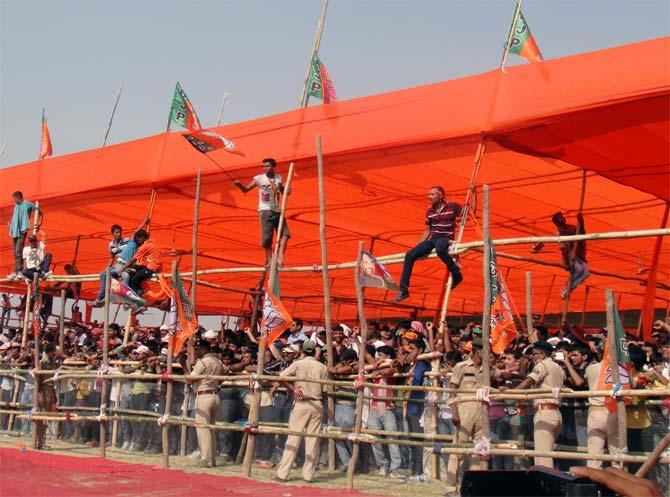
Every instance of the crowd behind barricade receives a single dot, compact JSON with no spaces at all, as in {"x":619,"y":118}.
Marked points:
{"x":393,"y":355}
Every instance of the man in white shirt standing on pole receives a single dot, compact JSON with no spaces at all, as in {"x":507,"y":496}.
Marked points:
{"x":270,"y":186}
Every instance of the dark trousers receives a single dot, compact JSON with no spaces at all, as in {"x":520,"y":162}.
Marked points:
{"x":141,"y":273}
{"x":17,"y":245}
{"x":42,"y":268}
{"x":441,"y":246}
{"x":415,"y":453}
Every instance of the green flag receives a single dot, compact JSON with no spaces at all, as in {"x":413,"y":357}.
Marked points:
{"x":319,"y":84}
{"x":620,"y":334}
{"x":522,"y":41}
{"x":182,"y":112}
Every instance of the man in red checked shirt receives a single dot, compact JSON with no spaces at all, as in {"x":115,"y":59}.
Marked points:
{"x":441,"y":220}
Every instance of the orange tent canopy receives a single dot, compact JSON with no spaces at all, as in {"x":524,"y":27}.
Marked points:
{"x":607,"y":112}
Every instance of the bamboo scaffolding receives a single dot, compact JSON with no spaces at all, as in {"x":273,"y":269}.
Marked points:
{"x":61,"y":320}
{"x":486,"y":320}
{"x":399,"y":258}
{"x":330,"y":360}
{"x":529,"y":302}
{"x":105,"y":364}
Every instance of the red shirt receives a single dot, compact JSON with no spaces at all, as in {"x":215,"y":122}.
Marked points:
{"x":442,"y":221}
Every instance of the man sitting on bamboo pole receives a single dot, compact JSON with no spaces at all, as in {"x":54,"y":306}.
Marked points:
{"x":441,"y":219}
{"x":270,"y":186}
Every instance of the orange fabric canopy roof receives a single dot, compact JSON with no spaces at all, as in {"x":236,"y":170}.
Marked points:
{"x":606,"y":112}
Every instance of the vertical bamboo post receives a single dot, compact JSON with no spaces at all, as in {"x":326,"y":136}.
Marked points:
{"x":126,"y":331}
{"x":280,"y":228}
{"x":115,"y":424}
{"x":38,"y":378}
{"x":529,"y":302}
{"x":546,"y":300}
{"x":194,"y":287}
{"x":573,"y":254}
{"x":61,"y":320}
{"x":35,"y":334}
{"x":29,"y":295}
{"x":481,"y":148}
{"x":105,"y":366}
{"x":586,"y":298}
{"x":330,"y":360}
{"x":165,"y":434}
{"x":614,"y":361}
{"x":361,"y":364}
{"x":486,"y":319}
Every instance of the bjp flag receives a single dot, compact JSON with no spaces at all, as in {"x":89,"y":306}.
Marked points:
{"x":186,"y":318}
{"x":276,"y":318}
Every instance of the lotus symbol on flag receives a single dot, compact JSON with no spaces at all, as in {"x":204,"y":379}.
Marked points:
{"x":272,"y":316}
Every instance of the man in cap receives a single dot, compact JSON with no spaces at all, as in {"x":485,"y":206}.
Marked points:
{"x":270,"y":186}
{"x":207,"y":399}
{"x":307,"y":413}
{"x":211,"y":336}
{"x":441,"y":219}
{"x":467,"y":416}
{"x":547,"y":422}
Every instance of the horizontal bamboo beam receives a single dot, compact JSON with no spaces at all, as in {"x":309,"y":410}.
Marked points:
{"x":399,"y":257}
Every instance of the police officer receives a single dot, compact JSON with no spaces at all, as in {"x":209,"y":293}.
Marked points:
{"x":467,"y":416}
{"x":207,"y":399}
{"x":547,"y":422}
{"x":307,"y":413}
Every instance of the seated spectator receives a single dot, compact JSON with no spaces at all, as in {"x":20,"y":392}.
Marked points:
{"x":148,"y":261}
{"x":35,"y":259}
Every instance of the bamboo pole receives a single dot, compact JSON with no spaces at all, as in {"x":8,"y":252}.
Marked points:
{"x":61,"y":320}
{"x":652,"y":461}
{"x":223,"y":105}
{"x":486,"y":319}
{"x":111,"y":118}
{"x":29,"y":294}
{"x":280,"y":227}
{"x":165,"y":435}
{"x":398,"y":258}
{"x":330,"y":360}
{"x":614,"y":361}
{"x":529,"y":302}
{"x":481,"y":148}
{"x":304,"y":96}
{"x":510,"y":35}
{"x":105,"y":365}
{"x":2,"y":150}
{"x":361,"y":364}
{"x":586,"y":298}
{"x":573,"y":254}
{"x":38,"y":379}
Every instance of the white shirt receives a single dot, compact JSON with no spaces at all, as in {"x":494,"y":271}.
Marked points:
{"x":33,"y":256}
{"x":268,"y":192}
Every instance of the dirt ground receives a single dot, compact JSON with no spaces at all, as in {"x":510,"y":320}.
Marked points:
{"x":363,"y":482}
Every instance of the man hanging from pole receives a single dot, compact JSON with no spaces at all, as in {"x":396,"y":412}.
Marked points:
{"x":441,"y":220}
{"x":574,"y":257}
{"x":270,"y":186}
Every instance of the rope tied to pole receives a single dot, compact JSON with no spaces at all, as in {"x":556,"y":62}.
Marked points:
{"x":166,"y":377}
{"x":316,"y":268}
{"x":483,"y":447}
{"x":162,"y":421}
{"x":556,"y":392}
{"x":68,"y":417}
{"x":254,"y":384}
{"x":437,"y":448}
{"x":482,"y":395}
{"x":619,"y":455}
{"x":359,"y":382}
{"x":616,"y":390}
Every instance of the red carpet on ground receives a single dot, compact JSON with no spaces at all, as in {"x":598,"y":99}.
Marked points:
{"x":33,"y":474}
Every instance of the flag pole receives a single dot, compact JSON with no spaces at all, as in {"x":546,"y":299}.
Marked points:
{"x":165,"y":439}
{"x":41,"y":133}
{"x":358,"y":421}
{"x":326,"y":295}
{"x":304,"y":97}
{"x":111,"y":118}
{"x":614,"y":364}
{"x":223,"y":104}
{"x":486,"y":319}
{"x":2,"y":150}
{"x":510,"y":35}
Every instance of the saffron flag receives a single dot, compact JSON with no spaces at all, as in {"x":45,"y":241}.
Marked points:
{"x":206,"y":140}
{"x":183,"y":113}
{"x":522,"y":41}
{"x":186,"y":318}
{"x":503,"y":329}
{"x":605,"y":378}
{"x":319,"y":84}
{"x":37,"y":304}
{"x":372,"y":273}
{"x":276,"y":318}
{"x":46,"y":149}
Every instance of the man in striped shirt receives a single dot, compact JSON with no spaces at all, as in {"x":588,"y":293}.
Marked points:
{"x":440,"y":223}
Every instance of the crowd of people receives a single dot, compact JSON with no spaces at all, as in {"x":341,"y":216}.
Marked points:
{"x":394,"y":354}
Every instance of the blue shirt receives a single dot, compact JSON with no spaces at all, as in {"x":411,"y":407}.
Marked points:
{"x":128,"y":251}
{"x":300,"y":337}
{"x":416,"y":408}
{"x":21,"y":218}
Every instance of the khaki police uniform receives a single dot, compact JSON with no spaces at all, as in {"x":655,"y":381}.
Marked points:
{"x":547,"y":421}
{"x":466,"y":375}
{"x":207,"y":403}
{"x":306,"y":416}
{"x":46,"y":399}
{"x":601,"y":426}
